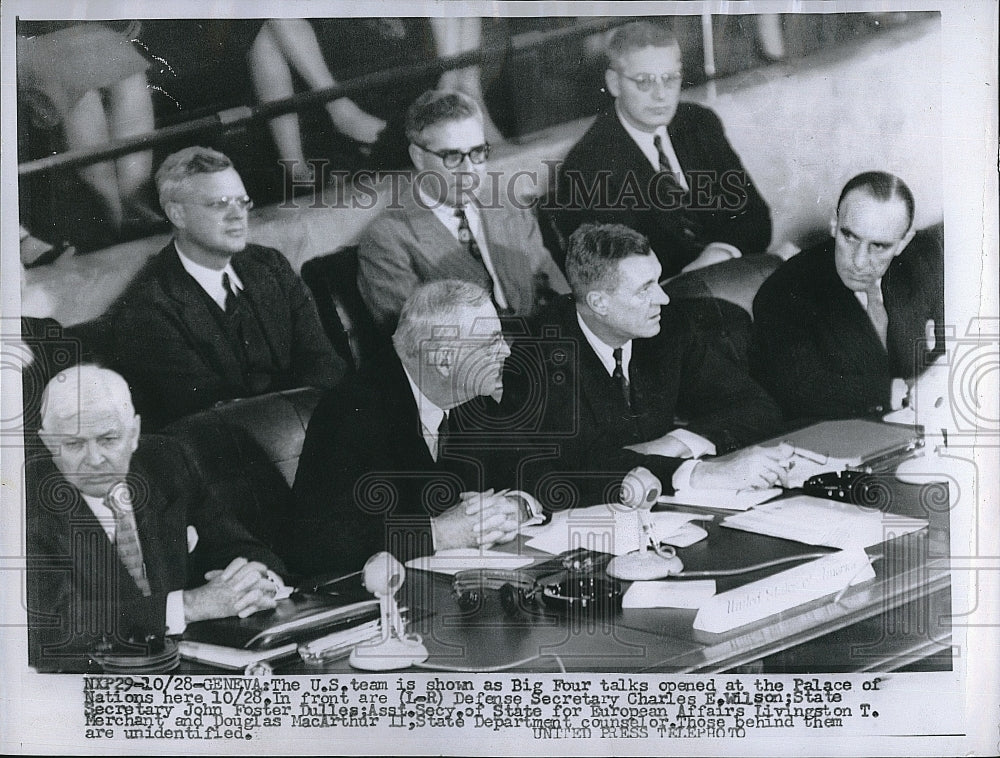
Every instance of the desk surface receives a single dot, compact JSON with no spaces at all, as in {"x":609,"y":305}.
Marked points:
{"x":895,"y":620}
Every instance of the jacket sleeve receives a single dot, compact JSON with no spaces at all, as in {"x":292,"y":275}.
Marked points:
{"x":788,"y":359}
{"x":386,"y":276}
{"x":346,"y":492}
{"x":314,"y":363}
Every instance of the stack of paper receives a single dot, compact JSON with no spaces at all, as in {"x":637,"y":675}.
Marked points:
{"x":816,"y":521}
{"x":609,"y":529}
{"x":733,"y":500}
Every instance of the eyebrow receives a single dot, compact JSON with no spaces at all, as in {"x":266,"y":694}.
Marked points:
{"x":850,"y":231}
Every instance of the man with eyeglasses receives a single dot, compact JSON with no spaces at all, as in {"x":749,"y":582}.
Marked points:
{"x":660,"y":166}
{"x":843,"y":327}
{"x":211,"y":317}
{"x":447,"y":225}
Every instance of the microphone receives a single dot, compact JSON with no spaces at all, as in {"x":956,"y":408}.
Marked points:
{"x":640,"y":491}
{"x":382,"y":576}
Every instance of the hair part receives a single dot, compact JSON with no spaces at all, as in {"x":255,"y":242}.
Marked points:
{"x":431,"y":308}
{"x":637,"y":35}
{"x":593,"y":253}
{"x":84,"y":386}
{"x":436,"y":106}
{"x":882,"y":186}
{"x":178,"y":167}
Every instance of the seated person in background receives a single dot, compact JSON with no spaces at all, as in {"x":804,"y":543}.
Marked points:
{"x":375,"y":471}
{"x":840,"y":328}
{"x":659,"y":166}
{"x":112,"y":520}
{"x":444,"y":226}
{"x":610,"y":370}
{"x":210,"y":317}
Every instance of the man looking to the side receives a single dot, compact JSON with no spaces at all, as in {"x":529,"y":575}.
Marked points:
{"x":122,"y":541}
{"x":211,"y":317}
{"x":447,"y":227}
{"x":623,"y":368}
{"x":661,"y":166}
{"x":393,"y":462}
{"x":843,"y":327}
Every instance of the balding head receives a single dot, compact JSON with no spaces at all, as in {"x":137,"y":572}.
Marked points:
{"x":90,"y":426}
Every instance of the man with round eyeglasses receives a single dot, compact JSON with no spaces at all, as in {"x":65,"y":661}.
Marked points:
{"x":660,"y":166}
{"x":211,"y":317}
{"x":449,"y":223}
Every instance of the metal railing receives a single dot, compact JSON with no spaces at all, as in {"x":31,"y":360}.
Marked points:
{"x":238,"y":116}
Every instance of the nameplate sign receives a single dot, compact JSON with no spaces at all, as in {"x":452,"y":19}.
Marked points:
{"x":784,"y":590}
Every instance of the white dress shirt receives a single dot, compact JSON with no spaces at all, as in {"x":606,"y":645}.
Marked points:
{"x":430,"y":416}
{"x":698,"y":445}
{"x":644,"y":141}
{"x":210,"y":279}
{"x":446,"y":215}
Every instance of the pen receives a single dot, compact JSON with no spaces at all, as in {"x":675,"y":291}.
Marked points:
{"x":809,"y":455}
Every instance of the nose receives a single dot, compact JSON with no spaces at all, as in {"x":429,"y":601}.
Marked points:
{"x":235,"y":210}
{"x":861,"y":255}
{"x":660,"y":297}
{"x":504,"y":349}
{"x":94,"y":456}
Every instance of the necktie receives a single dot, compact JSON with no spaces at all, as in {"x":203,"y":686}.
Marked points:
{"x":119,"y":500}
{"x":664,"y":161}
{"x":467,"y":238}
{"x":619,"y":376}
{"x":877,"y":313}
{"x":465,"y":235}
{"x":443,"y":434}
{"x":227,"y":285}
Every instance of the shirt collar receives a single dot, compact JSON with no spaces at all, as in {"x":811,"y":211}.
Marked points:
{"x":210,"y":279}
{"x":430,"y":414}
{"x":862,"y":295}
{"x":605,"y":352}
{"x":446,"y":213}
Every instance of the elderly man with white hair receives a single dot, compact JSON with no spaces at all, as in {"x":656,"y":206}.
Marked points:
{"x":123,"y":546}
{"x":405,"y":461}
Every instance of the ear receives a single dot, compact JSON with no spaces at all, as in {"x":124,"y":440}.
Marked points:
{"x":597,"y":301}
{"x":417,"y":156}
{"x":444,"y":360}
{"x":50,"y":441}
{"x":612,"y":81}
{"x":136,"y":430}
{"x":833,"y":226}
{"x":907,"y":238}
{"x":175,"y":213}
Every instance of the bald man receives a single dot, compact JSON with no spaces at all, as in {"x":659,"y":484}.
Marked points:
{"x":122,"y":542}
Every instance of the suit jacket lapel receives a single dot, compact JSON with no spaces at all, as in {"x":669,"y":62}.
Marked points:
{"x":596,"y":388}
{"x":403,"y":411}
{"x":437,"y":246}
{"x":149,"y":506}
{"x":202,"y":324}
{"x":858,"y":337}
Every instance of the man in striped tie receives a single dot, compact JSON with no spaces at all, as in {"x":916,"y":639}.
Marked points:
{"x":120,"y":535}
{"x":454,"y":221}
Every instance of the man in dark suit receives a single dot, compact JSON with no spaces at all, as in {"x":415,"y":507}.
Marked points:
{"x":210,"y":317}
{"x":841,"y":328}
{"x":601,"y":385}
{"x":448,"y":224}
{"x":120,"y":536}
{"x":392,"y":462}
{"x":659,"y":166}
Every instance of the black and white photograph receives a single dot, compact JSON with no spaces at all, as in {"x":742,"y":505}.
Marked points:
{"x":432,"y":377}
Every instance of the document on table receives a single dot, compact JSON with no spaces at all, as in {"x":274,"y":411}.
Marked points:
{"x":733,"y":500}
{"x":609,"y":529}
{"x":815,"y":521}
{"x":462,"y":559}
